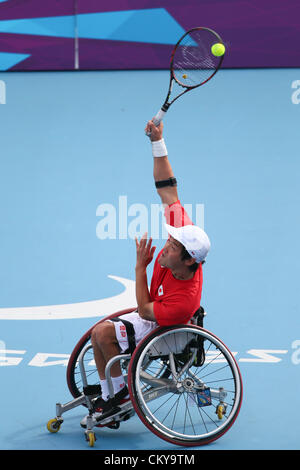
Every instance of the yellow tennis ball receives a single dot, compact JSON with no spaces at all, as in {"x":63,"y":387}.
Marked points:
{"x":184,"y":76}
{"x":218,"y":49}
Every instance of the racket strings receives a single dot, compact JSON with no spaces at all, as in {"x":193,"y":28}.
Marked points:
{"x":193,"y":61}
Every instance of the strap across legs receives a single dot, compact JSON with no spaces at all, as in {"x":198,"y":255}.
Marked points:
{"x":130,"y":334}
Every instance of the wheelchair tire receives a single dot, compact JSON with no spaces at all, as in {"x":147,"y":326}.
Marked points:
{"x":183,"y":406}
{"x":73,"y":373}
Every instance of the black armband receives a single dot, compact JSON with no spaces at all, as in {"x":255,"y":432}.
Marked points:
{"x":168,"y":182}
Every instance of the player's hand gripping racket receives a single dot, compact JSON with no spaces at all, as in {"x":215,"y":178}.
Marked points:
{"x":194,"y":61}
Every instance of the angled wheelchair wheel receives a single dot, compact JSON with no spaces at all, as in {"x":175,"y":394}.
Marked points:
{"x":74,"y":379}
{"x":185,"y":385}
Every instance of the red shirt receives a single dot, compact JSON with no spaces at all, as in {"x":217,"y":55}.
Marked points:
{"x":175,"y":300}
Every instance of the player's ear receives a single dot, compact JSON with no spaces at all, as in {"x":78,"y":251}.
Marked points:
{"x":190,"y":261}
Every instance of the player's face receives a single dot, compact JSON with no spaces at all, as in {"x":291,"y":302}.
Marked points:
{"x":171,"y":254}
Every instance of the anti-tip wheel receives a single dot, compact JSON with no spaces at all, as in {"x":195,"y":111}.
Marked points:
{"x":53,"y":425}
{"x":91,"y":438}
{"x":220,"y":411}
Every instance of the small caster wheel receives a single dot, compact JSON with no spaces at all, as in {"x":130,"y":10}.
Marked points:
{"x":220,"y":411}
{"x":91,"y":438}
{"x":53,"y":425}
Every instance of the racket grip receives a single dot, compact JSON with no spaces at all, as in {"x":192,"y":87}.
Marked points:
{"x":159,"y":117}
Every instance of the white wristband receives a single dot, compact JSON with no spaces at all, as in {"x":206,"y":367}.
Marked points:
{"x":159,"y":148}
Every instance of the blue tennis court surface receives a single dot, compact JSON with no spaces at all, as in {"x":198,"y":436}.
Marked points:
{"x":76,"y":168}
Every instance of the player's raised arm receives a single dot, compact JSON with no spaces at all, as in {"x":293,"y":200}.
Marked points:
{"x":165,"y":181}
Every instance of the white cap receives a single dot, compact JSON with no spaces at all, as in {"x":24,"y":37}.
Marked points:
{"x":193,"y":238}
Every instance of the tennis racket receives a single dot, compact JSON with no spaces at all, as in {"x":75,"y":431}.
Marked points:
{"x":192,"y":64}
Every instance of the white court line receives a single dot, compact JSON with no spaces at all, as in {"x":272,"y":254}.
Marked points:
{"x":94,"y":308}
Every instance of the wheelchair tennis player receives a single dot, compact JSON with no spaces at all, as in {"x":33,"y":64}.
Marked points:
{"x":176,"y":284}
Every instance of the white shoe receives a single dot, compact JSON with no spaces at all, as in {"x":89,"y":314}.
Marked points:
{"x":83,"y":422}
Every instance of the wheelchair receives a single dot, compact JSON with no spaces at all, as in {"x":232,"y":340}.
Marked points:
{"x":184,"y":384}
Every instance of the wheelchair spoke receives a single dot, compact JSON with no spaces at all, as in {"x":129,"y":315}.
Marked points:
{"x":162,"y":404}
{"x":175,"y":412}
{"x":187,"y":413}
{"x":202,"y":419}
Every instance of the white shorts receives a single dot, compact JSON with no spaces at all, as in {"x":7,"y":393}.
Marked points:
{"x":141,"y":328}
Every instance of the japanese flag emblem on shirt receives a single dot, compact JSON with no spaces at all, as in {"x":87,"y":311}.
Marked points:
{"x":160,"y":290}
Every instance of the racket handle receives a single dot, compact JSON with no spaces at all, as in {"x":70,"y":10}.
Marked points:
{"x":159,"y":117}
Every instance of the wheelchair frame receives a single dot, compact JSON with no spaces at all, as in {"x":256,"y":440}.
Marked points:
{"x":176,"y":376}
